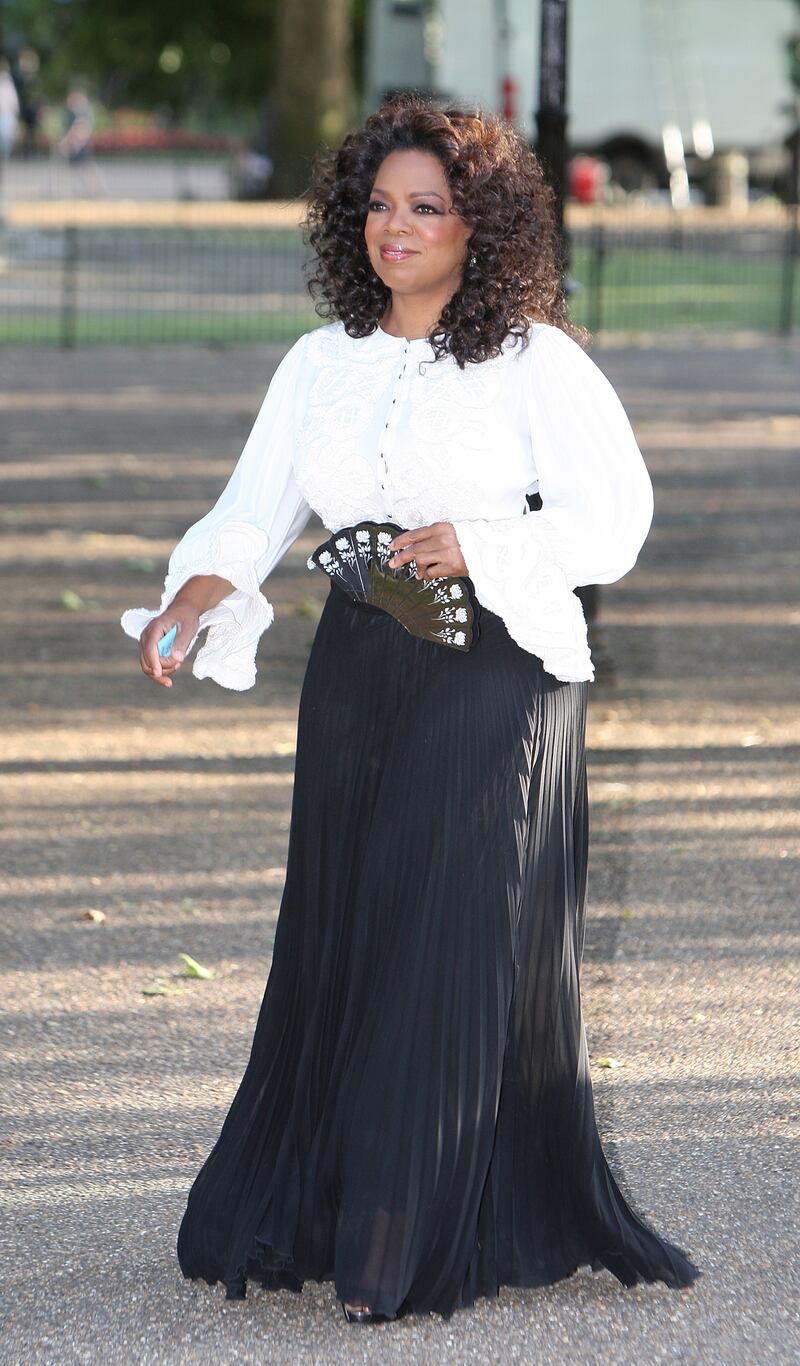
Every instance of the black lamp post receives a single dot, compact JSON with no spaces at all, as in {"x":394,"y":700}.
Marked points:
{"x":551,"y":121}
{"x":551,"y":116}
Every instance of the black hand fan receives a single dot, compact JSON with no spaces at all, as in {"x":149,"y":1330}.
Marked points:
{"x":440,"y":610}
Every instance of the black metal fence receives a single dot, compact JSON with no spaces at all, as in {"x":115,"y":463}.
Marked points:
{"x":78,"y":285}
{"x":737,"y":277}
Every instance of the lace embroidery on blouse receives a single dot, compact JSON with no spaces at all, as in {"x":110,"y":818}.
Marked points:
{"x":375,"y":428}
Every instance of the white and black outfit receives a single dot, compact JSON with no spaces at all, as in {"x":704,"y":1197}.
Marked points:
{"x":415,"y":1121}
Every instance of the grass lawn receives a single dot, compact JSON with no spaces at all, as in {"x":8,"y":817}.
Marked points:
{"x":145,"y":328}
{"x":653,"y":290}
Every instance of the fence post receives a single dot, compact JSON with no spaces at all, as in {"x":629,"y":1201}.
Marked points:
{"x":791,"y":251}
{"x":597,"y":263}
{"x":69,"y":287}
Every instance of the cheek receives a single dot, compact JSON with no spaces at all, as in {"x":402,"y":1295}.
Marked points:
{"x":444,"y":236}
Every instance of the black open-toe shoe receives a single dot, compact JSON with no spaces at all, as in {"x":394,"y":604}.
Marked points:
{"x":361,"y":1315}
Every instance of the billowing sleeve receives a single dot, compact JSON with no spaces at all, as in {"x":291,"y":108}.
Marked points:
{"x":597,"y":507}
{"x":256,"y":518}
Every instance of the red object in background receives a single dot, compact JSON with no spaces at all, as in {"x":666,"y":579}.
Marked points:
{"x":149,"y":139}
{"x":509,"y":88}
{"x":587,"y":179}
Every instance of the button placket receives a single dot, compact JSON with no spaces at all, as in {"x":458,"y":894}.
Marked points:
{"x":382,"y":452}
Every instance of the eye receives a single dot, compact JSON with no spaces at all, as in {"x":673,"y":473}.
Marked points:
{"x":379,"y":204}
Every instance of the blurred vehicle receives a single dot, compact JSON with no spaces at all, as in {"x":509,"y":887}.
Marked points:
{"x":654,"y":86}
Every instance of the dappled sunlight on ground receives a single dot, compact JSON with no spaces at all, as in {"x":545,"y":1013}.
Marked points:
{"x":140,"y":824}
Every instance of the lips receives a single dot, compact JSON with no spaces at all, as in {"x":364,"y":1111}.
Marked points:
{"x":396,"y":253}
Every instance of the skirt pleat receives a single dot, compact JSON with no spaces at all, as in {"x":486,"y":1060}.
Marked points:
{"x":415,"y":1121}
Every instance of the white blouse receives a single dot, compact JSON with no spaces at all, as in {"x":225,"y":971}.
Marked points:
{"x":375,"y":428}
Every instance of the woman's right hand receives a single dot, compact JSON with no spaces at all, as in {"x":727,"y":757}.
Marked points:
{"x":161,"y":670}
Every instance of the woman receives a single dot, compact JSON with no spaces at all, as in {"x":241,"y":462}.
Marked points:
{"x":415,"y":1121}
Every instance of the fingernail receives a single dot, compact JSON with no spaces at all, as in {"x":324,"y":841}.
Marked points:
{"x":177,"y":654}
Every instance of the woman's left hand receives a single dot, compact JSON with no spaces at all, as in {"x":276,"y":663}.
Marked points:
{"x":435,"y":549}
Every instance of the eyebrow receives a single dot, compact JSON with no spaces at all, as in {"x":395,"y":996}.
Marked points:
{"x":418,"y":194}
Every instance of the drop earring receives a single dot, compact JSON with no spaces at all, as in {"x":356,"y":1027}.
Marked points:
{"x":473,"y":260}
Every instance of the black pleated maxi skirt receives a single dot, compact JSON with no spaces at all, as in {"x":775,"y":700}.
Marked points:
{"x":415,"y":1121}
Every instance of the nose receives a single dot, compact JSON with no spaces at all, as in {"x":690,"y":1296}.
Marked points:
{"x":397,"y":221}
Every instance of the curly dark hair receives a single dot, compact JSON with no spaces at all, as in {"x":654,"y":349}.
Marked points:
{"x":497,"y":186}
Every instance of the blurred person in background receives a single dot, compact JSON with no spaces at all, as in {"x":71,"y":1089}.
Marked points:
{"x":415,"y":1122}
{"x":252,"y":174}
{"x":29,"y":97}
{"x":9,"y":110}
{"x":76,"y":142}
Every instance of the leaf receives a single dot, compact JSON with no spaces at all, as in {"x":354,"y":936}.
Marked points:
{"x":698,"y":1017}
{"x":140,"y":564}
{"x":308,"y":607}
{"x":612,"y":1063}
{"x":195,"y":969}
{"x":162,"y":988}
{"x":70,"y":601}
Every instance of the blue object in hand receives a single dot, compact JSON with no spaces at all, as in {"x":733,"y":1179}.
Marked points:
{"x":166,"y":642}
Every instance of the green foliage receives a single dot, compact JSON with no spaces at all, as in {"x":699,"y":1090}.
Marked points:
{"x":197,"y":54}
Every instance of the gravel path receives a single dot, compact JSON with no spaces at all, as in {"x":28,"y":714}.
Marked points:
{"x":168,"y":813}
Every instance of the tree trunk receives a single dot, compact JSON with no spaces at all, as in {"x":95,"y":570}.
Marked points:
{"x":312,"y":92}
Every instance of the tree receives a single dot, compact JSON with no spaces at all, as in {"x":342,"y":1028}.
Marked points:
{"x":184,"y":56}
{"x":211,"y":62}
{"x":312,"y":94}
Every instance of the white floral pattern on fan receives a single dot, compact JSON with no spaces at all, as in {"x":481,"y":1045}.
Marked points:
{"x":437,"y":609}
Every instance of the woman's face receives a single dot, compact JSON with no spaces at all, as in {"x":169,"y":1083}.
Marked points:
{"x":416,"y":241}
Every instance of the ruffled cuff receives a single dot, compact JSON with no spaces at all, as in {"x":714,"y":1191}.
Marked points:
{"x":236,"y":624}
{"x":520,"y":570}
